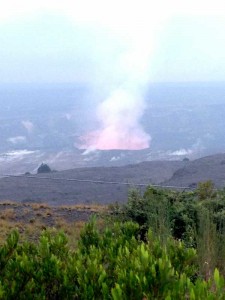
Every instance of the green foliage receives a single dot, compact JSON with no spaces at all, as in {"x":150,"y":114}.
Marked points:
{"x":112,"y":264}
{"x":206,"y":190}
{"x":195,"y":217}
{"x":149,"y":211}
{"x":164,"y":245}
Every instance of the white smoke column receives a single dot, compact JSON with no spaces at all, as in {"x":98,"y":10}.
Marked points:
{"x":120,"y":115}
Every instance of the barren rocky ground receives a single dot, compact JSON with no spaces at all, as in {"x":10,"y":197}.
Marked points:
{"x":105,"y":185}
{"x":101,"y":185}
{"x":30,"y":219}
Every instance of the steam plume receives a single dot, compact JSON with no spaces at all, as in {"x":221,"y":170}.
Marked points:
{"x":125,"y":75}
{"x":119,"y":116}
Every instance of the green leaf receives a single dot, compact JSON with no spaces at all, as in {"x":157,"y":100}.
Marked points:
{"x":117,"y":292}
{"x":217,"y":277}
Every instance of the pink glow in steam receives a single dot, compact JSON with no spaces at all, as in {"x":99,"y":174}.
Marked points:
{"x":119,"y":116}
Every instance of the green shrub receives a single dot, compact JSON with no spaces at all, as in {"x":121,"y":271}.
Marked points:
{"x":112,"y":264}
{"x":206,"y":190}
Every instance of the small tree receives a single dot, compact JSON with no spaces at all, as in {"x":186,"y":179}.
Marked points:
{"x":186,"y":159}
{"x":44,"y":168}
{"x":206,"y":190}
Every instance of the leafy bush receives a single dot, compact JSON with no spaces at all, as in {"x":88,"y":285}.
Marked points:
{"x":206,"y":190}
{"x":166,"y":245}
{"x":112,"y":264}
{"x":195,"y":217}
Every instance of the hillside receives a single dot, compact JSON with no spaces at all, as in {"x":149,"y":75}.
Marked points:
{"x":206,"y":168}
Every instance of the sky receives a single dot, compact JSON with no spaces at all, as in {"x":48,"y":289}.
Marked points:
{"x":103,"y":42}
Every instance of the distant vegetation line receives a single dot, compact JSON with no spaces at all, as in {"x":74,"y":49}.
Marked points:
{"x":97,"y":181}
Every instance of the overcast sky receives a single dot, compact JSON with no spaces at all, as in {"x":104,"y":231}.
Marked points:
{"x":106,"y":42}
